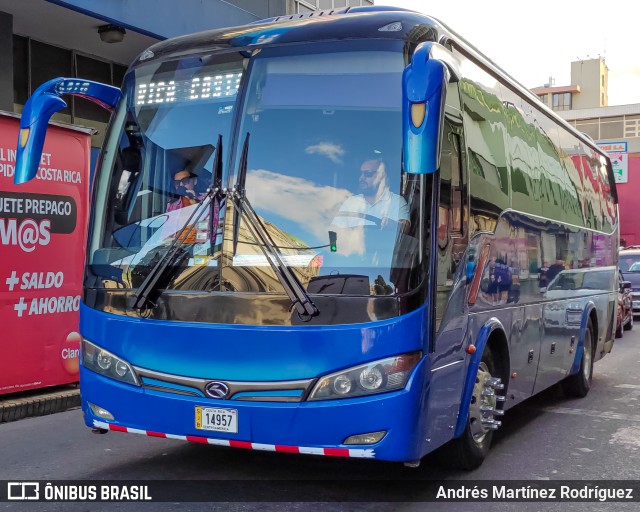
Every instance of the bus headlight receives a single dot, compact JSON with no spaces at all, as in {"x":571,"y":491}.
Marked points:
{"x":105,"y":363}
{"x":380,"y":376}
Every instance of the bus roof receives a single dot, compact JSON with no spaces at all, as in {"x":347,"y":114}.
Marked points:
{"x":381,"y":22}
{"x":332,"y":25}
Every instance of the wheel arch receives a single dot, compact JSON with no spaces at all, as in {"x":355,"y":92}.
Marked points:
{"x":589,"y":313}
{"x":491,"y":334}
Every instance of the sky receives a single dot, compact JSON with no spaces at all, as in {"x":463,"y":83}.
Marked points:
{"x":533,"y":41}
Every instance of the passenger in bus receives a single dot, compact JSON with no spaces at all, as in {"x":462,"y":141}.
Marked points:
{"x":375,"y":205}
{"x":184,"y":183}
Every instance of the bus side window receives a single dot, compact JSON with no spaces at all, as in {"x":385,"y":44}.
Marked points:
{"x":451,"y":206}
{"x":456,"y":211}
{"x":451,"y":236}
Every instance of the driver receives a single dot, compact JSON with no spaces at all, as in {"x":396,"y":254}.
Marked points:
{"x":184,"y":183}
{"x":375,"y":205}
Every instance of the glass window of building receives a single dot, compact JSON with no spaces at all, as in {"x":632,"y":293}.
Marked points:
{"x":20,"y":70}
{"x":98,"y":71}
{"x":305,"y":6}
{"x":562,"y":101}
{"x":47,"y":62}
{"x":632,"y":126}
{"x":611,"y":128}
{"x":34,"y":63}
{"x":590,"y":127}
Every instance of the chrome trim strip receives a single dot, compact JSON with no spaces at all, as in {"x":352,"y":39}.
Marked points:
{"x":263,"y":398}
{"x":234,"y":386}
{"x":170,"y":390}
{"x":447,"y":365}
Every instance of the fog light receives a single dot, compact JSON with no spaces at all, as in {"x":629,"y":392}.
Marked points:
{"x":370,"y":438}
{"x":100,"y":412}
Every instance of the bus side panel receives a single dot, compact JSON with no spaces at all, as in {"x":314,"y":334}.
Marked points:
{"x":524,"y":350}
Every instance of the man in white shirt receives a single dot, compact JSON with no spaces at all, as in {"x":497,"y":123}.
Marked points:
{"x":376,"y":205}
{"x":374,"y":216}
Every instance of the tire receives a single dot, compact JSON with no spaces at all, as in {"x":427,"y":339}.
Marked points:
{"x":578,"y":385}
{"x":629,"y":325}
{"x":619,"y":331}
{"x":470,"y":449}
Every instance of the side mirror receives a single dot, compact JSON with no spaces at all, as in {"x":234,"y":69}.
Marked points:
{"x":424,"y":88}
{"x":625,"y":285}
{"x":43,"y":103}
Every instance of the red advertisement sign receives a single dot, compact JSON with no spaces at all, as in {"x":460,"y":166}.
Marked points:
{"x":42,"y":241}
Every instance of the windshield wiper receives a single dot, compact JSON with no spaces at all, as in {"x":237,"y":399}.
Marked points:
{"x":292,"y":286}
{"x":165,"y":266}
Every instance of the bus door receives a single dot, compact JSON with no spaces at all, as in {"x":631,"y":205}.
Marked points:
{"x":451,"y":318}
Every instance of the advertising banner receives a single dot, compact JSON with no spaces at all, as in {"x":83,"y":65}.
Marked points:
{"x":619,"y":159}
{"x":42,"y":243}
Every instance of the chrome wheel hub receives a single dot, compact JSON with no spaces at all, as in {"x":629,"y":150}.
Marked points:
{"x":484,"y":404}
{"x":586,"y":358}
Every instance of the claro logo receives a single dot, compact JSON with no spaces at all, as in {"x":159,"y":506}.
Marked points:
{"x":26,"y":233}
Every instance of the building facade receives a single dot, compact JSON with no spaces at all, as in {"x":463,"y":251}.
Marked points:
{"x":588,"y":89}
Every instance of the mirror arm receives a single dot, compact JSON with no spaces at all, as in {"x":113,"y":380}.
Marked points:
{"x":43,"y":103}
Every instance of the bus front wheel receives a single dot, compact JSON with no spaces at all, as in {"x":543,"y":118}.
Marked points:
{"x":470,"y":449}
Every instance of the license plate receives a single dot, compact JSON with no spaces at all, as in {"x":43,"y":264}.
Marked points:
{"x":219,"y":420}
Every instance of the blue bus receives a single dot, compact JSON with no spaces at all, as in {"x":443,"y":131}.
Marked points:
{"x":346,"y":233}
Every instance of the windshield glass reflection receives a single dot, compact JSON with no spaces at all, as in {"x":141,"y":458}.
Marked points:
{"x":323,"y":172}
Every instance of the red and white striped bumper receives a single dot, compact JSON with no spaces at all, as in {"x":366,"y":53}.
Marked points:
{"x":329,"y":452}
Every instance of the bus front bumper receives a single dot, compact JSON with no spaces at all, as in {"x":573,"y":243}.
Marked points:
{"x":317,"y":427}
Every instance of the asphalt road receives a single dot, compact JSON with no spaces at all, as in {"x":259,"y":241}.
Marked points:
{"x":549,"y":437}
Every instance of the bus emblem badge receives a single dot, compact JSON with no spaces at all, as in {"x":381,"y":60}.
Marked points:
{"x":216,"y":389}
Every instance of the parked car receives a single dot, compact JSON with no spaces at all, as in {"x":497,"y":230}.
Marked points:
{"x":629,"y":263}
{"x":625,"y":306}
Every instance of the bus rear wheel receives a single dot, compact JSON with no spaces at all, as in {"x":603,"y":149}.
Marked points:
{"x":578,"y":385}
{"x":470,"y":449}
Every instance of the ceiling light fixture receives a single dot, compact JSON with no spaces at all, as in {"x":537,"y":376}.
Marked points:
{"x":111,"y":33}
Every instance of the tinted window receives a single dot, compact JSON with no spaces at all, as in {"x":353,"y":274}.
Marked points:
{"x":49,"y":62}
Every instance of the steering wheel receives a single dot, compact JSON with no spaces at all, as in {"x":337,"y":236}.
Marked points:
{"x":385,"y":224}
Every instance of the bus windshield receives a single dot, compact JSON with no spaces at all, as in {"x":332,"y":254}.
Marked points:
{"x":322,"y":172}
